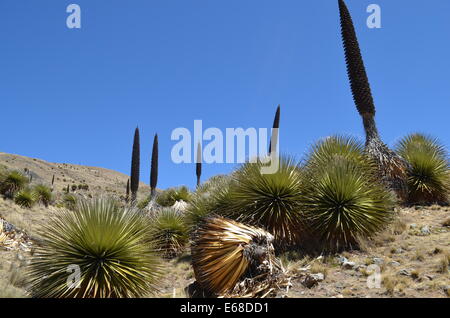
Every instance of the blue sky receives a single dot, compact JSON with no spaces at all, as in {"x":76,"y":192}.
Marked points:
{"x":76,"y":95}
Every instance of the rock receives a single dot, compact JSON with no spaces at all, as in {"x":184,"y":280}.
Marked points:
{"x":429,"y":276}
{"x":394,"y":263}
{"x":7,"y":227}
{"x":194,"y":290}
{"x":349,"y":265}
{"x":378,"y":260}
{"x":425,"y":230}
{"x":342,"y":260}
{"x":413,"y":226}
{"x":361,"y":267}
{"x":310,"y":280}
{"x":404,"y":272}
{"x":446,"y":289}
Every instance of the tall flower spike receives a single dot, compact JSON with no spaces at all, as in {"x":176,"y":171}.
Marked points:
{"x":355,"y":66}
{"x":198,"y":165}
{"x":276,"y":125}
{"x":135,"y":162}
{"x":154,"y":167}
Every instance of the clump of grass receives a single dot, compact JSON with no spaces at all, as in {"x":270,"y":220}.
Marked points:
{"x":444,"y":263}
{"x":429,"y":176}
{"x":43,"y":194}
{"x":341,"y":196}
{"x":111,"y":247}
{"x":25,"y":198}
{"x":319,"y":267}
{"x":170,"y":231}
{"x":390,"y":282}
{"x":168,"y":197}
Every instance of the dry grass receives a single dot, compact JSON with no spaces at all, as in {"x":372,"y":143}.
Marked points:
{"x":444,"y":264}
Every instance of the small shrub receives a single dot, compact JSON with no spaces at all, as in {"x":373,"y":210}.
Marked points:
{"x":429,"y":176}
{"x":43,"y":194}
{"x":270,"y":201}
{"x":25,"y":198}
{"x":168,"y":197}
{"x":12,"y":182}
{"x":341,"y":196}
{"x":170,"y":231}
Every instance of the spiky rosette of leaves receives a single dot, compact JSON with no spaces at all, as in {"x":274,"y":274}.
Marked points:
{"x":25,"y":198}
{"x":270,"y":201}
{"x":207,"y":198}
{"x":334,"y":147}
{"x":429,"y":176}
{"x":69,"y":201}
{"x":224,"y":251}
{"x":12,"y":183}
{"x":168,"y":197}
{"x":43,"y":194}
{"x":109,"y":245}
{"x":170,"y":231}
{"x":343,"y":200}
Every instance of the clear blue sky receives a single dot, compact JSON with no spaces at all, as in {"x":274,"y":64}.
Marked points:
{"x":76,"y":96}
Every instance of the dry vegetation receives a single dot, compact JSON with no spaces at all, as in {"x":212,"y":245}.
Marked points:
{"x":413,"y":254}
{"x":413,"y":262}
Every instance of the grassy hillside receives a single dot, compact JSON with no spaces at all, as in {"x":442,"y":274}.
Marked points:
{"x":99,"y":180}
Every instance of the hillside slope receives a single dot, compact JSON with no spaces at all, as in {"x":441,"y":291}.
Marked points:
{"x":99,"y":180}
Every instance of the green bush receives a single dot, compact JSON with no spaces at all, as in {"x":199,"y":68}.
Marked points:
{"x":25,"y":198}
{"x":341,"y":196}
{"x":111,"y":246}
{"x":43,"y":194}
{"x":270,"y":201}
{"x":170,"y":231}
{"x":168,"y":197}
{"x":143,"y":203}
{"x":429,"y":176}
{"x":12,"y":183}
{"x":206,"y":199}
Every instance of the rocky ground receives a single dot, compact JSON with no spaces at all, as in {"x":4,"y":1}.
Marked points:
{"x":410,"y":259}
